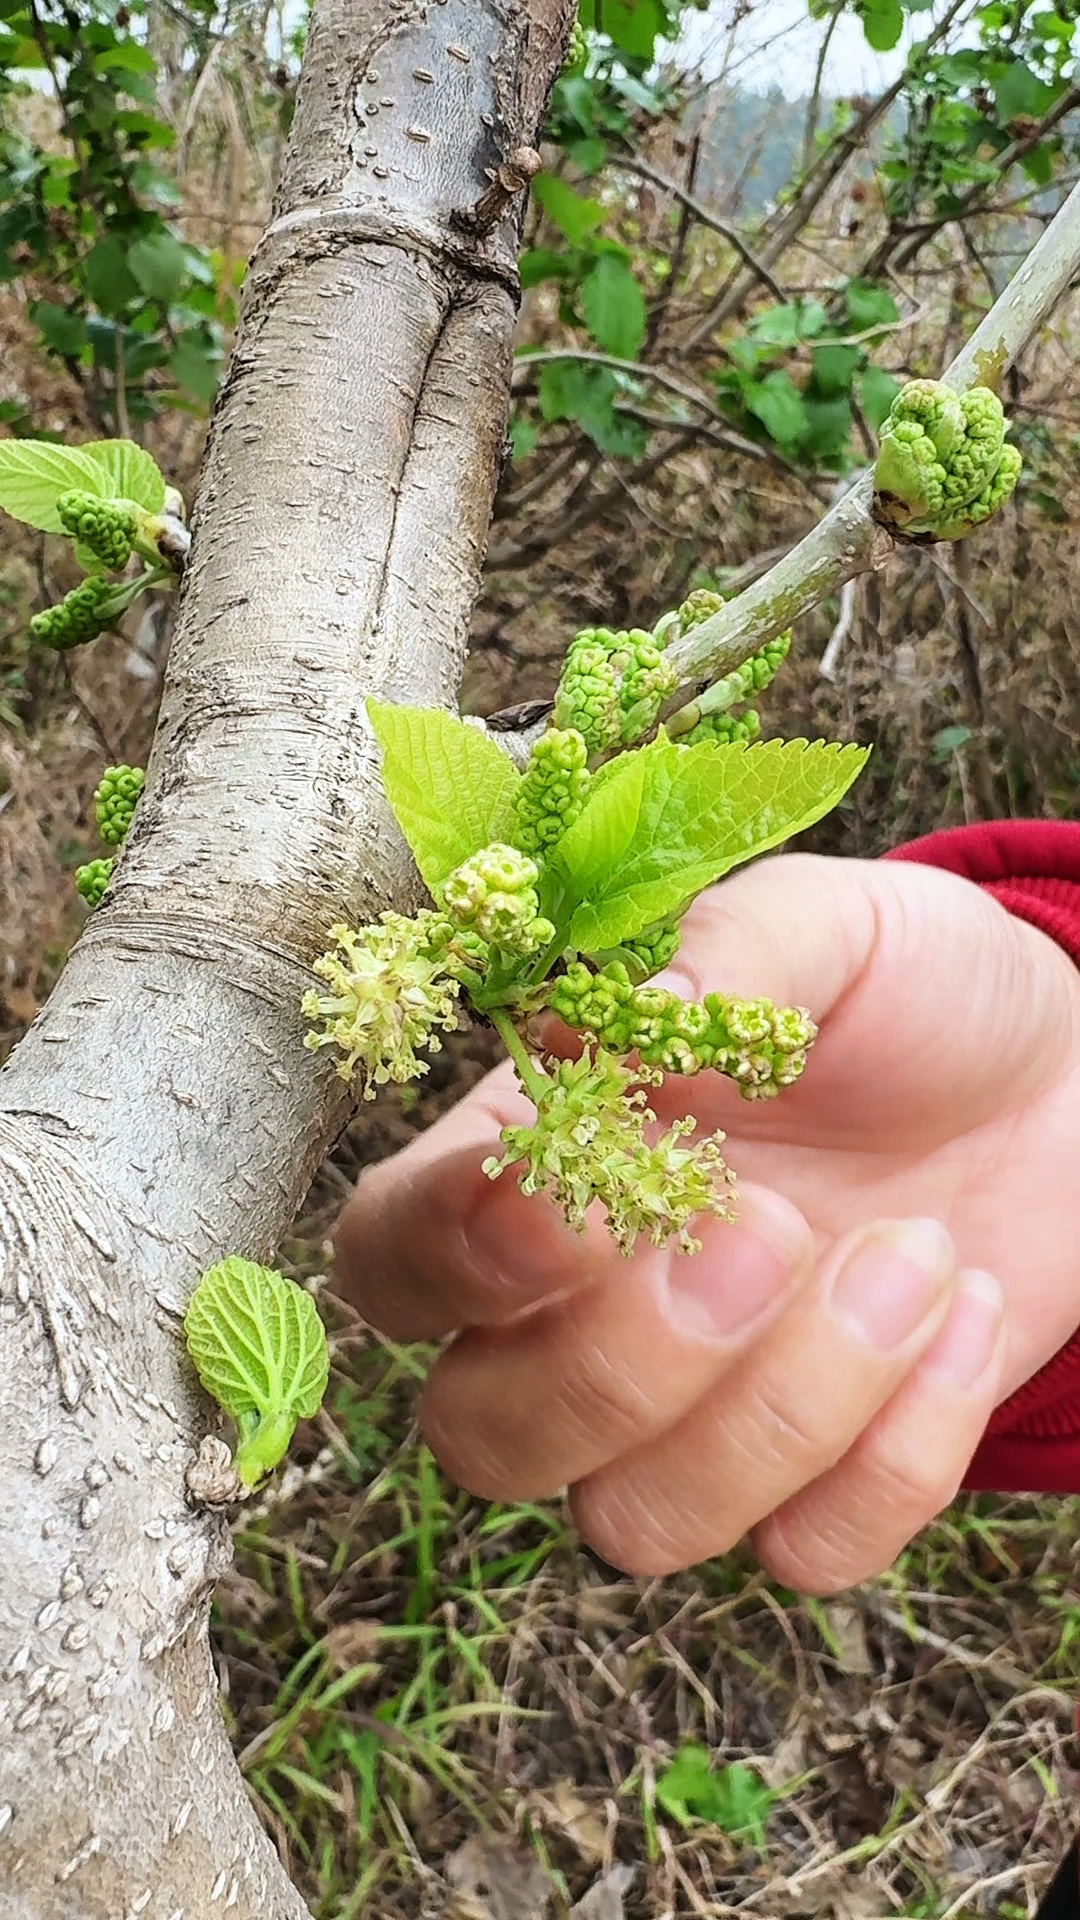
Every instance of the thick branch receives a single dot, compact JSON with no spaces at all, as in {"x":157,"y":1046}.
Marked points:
{"x":162,"y":1110}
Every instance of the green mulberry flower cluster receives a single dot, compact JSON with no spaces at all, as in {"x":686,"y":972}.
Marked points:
{"x":578,"y":51}
{"x":92,"y":879}
{"x":759,"y":1046}
{"x":612,"y":686}
{"x":719,"y":725}
{"x":391,"y":991}
{"x":80,"y":616}
{"x":943,"y":465}
{"x":723,"y":729}
{"x":588,"y":1142}
{"x":493,"y":894}
{"x":104,"y":527}
{"x":654,"y":949}
{"x":114,"y":801}
{"x":553,"y":789}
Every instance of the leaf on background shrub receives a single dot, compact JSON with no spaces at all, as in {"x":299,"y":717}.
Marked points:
{"x":882,"y":23}
{"x":574,"y":216}
{"x":869,"y":306}
{"x":568,"y":391}
{"x":159,"y":265}
{"x":877,"y":391}
{"x":451,"y":788}
{"x":614,"y":306}
{"x":778,"y":404}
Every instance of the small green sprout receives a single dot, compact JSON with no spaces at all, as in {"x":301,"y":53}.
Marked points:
{"x":259,"y":1349}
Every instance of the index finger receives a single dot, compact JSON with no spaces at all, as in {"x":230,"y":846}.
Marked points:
{"x":429,"y":1244}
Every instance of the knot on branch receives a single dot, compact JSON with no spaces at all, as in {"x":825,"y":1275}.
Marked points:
{"x":512,"y":178}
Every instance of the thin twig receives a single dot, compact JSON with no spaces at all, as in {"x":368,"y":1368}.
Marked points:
{"x":630,"y":163}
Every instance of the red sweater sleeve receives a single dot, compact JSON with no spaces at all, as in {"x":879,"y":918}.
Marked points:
{"x":1032,"y":1444}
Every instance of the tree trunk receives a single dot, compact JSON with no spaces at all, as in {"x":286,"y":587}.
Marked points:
{"x":162,"y":1111}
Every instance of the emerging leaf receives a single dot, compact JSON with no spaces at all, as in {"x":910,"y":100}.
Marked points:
{"x":128,"y":473}
{"x":452,"y":789}
{"x":679,"y":818}
{"x":259,"y":1348}
{"x":34,"y":474}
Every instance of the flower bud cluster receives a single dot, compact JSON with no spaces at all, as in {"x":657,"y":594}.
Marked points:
{"x":390,"y":991}
{"x":80,"y":616}
{"x":759,"y":1046}
{"x":588,"y":1143}
{"x":553,"y":789}
{"x":114,"y":801}
{"x":92,"y":879}
{"x":493,"y":894}
{"x":104,"y":527}
{"x":612,"y":686}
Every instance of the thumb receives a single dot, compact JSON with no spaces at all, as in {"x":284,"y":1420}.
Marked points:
{"x":936,"y":1009}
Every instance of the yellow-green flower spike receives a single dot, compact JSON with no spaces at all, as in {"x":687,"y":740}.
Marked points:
{"x":259,"y":1348}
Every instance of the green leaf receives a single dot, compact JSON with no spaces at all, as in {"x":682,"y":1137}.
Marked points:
{"x":828,"y":427}
{"x":259,"y":1348}
{"x":62,"y":330}
{"x":1020,"y":93}
{"x":671,"y":820}
{"x":543,"y":263}
{"x":108,"y":279}
{"x":877,"y":391}
{"x":834,"y":368}
{"x":882,"y":23}
{"x":33,"y":475}
{"x":733,"y":1798}
{"x":128,"y":473}
{"x":632,"y":25}
{"x":568,"y":391}
{"x":451,"y":788}
{"x":195,"y":363}
{"x":948,"y":742}
{"x":778,"y":404}
{"x":779,"y":326}
{"x":614,"y":306}
{"x":574,"y":216}
{"x":159,"y":264}
{"x":869,"y":306}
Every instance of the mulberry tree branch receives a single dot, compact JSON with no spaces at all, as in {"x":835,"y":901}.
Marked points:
{"x":847,"y":541}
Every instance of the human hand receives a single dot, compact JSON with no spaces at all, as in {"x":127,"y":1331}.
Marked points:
{"x":820,"y":1374}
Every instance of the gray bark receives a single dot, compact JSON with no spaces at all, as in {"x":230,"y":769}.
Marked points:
{"x":162,"y":1111}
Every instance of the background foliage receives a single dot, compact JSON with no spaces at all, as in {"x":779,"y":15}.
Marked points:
{"x":722,"y":288}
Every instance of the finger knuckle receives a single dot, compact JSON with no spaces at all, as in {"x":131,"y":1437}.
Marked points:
{"x":600,"y":1401}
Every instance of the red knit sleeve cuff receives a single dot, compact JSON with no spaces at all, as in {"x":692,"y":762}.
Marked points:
{"x":1033,"y":867}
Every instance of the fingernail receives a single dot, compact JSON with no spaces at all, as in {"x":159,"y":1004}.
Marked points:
{"x":741,"y":1271}
{"x":888,"y":1285}
{"x":967,"y":1342}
